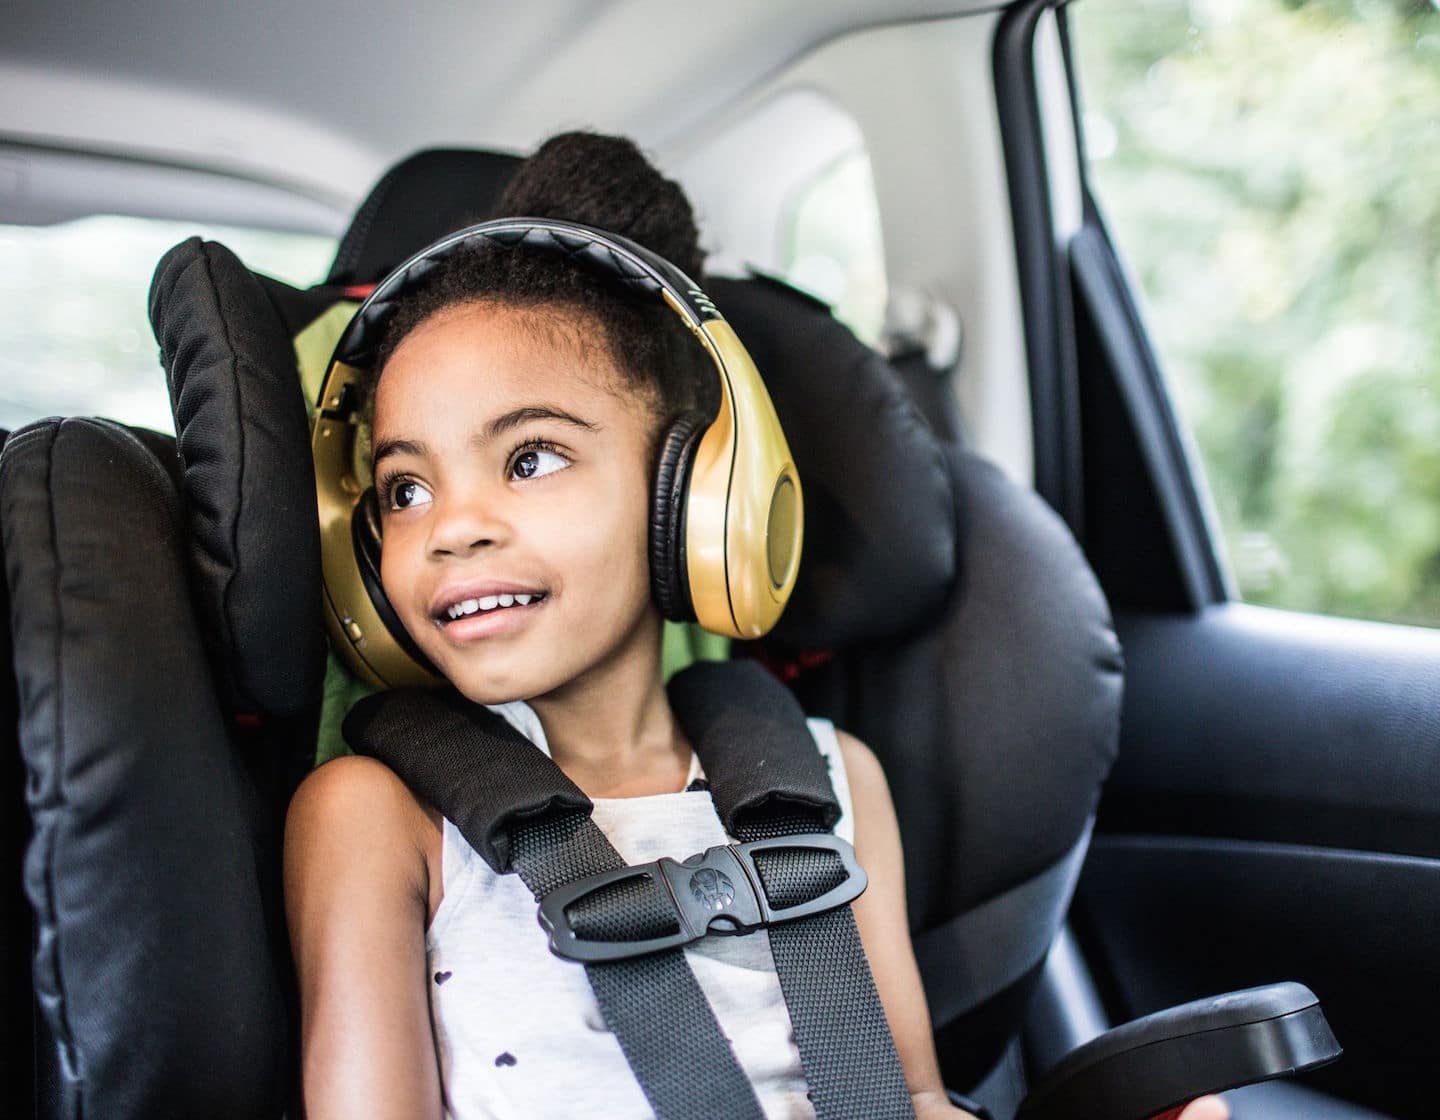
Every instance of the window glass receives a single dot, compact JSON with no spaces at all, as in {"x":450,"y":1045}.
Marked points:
{"x":75,"y":336}
{"x":1269,"y":170}
{"x":832,"y":247}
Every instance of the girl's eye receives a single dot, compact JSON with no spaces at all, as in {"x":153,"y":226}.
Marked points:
{"x":537,"y":462}
{"x":403,"y":493}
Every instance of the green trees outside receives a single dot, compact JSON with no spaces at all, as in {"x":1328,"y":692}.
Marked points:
{"x":1270,"y":169}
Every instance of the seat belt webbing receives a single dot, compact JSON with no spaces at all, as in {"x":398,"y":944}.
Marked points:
{"x":849,"y":1056}
{"x":651,"y":1002}
{"x":752,"y":739}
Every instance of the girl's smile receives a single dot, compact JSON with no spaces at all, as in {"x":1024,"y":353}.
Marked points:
{"x":513,"y":470}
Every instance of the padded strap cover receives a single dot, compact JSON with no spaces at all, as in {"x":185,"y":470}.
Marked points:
{"x":249,"y":481}
{"x":465,"y":760}
{"x":750,"y":734}
{"x":157,"y":967}
{"x":485,"y":776}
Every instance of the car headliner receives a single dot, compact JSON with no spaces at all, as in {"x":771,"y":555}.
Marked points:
{"x":322,"y":97}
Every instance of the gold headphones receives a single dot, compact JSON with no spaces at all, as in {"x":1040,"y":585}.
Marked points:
{"x":727,"y":513}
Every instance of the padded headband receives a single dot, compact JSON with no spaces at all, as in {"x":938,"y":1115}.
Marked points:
{"x":742,"y":513}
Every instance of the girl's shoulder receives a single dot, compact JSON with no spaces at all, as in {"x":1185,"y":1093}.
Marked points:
{"x":862,"y":768}
{"x":355,"y":784}
{"x":353,"y":810}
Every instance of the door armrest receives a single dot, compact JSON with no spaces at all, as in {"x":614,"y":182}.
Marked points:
{"x":1163,"y":1060}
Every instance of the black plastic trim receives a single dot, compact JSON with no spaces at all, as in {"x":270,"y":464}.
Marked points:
{"x":1129,"y":361}
{"x":1254,"y":723}
{"x":1165,"y":1059}
{"x":1164,"y":919}
{"x":1044,"y":276}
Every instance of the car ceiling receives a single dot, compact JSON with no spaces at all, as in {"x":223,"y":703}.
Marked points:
{"x":322,"y":98}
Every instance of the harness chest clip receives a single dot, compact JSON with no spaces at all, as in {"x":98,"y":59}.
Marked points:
{"x":720,"y":890}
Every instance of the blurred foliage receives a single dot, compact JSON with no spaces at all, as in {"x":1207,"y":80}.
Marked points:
{"x":74,"y":311}
{"x":1271,"y":171}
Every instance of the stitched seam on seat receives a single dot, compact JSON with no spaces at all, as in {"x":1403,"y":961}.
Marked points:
{"x":360,"y":229}
{"x":67,"y":1037}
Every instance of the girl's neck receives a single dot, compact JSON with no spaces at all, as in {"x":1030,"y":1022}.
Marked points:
{"x":611,"y":730}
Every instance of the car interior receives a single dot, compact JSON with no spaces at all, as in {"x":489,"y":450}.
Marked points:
{"x":1126,"y":795}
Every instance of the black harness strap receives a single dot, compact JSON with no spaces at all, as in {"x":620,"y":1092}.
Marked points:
{"x":768,"y":780}
{"x":521,"y":813}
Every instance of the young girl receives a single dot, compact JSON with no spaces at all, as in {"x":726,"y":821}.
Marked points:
{"x":515,"y":420}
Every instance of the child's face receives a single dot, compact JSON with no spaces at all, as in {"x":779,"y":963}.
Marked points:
{"x":511,"y":462}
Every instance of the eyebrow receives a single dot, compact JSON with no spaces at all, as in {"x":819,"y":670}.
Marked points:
{"x":496,"y":428}
{"x":502,"y":424}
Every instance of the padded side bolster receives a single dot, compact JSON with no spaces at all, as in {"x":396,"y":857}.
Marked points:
{"x":244,"y":441}
{"x":146,"y":871}
{"x":998,"y":726}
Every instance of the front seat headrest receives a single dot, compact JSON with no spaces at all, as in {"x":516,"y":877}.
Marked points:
{"x":419,"y":201}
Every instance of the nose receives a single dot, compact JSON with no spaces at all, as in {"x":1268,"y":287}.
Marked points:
{"x":466,"y":521}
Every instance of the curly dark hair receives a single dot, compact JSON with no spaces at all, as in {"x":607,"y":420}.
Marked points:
{"x":602,"y":181}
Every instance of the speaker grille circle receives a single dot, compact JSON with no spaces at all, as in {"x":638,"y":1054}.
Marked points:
{"x":782,"y":532}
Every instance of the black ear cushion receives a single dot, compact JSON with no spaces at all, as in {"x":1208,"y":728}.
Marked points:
{"x":669,"y":582}
{"x":365,"y":533}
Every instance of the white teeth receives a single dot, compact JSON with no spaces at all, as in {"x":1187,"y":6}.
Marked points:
{"x":489,"y":603}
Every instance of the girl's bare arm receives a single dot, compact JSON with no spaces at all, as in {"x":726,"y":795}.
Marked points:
{"x":356,"y":888}
{"x":885,"y":930}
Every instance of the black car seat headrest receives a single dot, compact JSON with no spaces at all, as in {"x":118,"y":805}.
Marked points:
{"x":879,"y":504}
{"x":419,"y":201}
{"x":243,"y":443}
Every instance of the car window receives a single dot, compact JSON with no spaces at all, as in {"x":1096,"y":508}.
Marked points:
{"x":73,"y":311}
{"x":812,"y":218}
{"x":1268,"y":172}
{"x":831,"y":243}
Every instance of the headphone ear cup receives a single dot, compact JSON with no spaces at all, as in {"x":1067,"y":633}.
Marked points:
{"x":365,"y":533}
{"x":669,"y":580}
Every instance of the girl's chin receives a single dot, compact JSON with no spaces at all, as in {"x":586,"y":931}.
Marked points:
{"x":488,"y":690}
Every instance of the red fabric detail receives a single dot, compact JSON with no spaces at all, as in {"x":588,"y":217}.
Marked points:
{"x":357,"y":291}
{"x":1172,"y":1114}
{"x":788,"y":670}
{"x":247,"y":719}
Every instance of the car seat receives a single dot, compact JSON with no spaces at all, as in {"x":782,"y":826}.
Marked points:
{"x":171,"y":679}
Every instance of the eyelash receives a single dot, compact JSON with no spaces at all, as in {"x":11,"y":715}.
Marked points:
{"x":533,"y":445}
{"x":385,"y":487}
